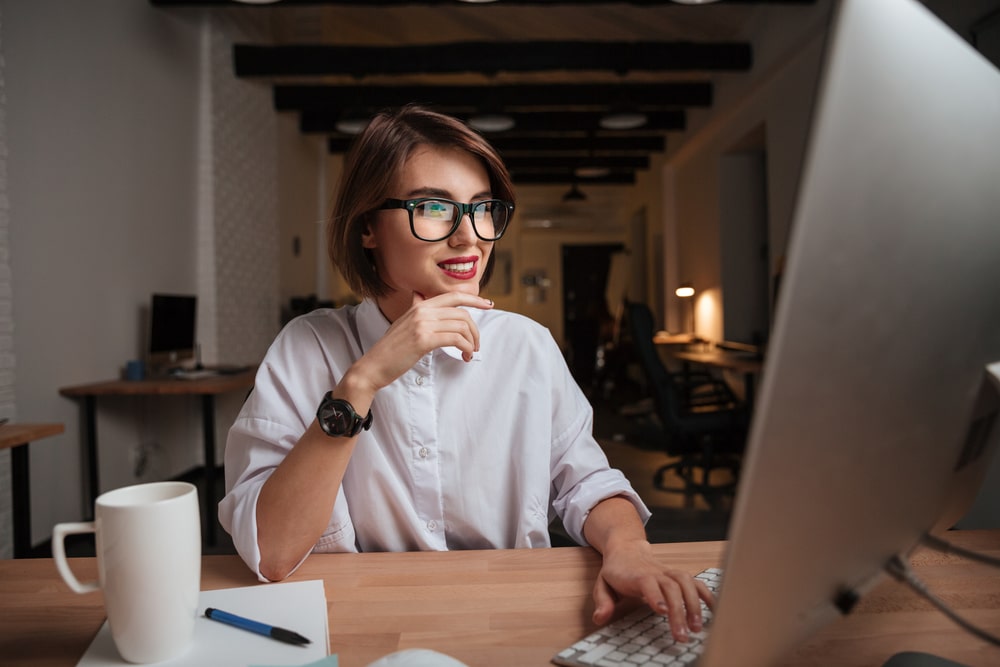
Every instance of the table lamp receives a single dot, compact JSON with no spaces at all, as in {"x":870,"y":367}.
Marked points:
{"x":686,"y":291}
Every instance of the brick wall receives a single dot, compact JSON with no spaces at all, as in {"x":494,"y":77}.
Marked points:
{"x":241,"y":272}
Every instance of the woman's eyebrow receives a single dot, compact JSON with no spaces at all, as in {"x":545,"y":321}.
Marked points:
{"x":444,"y":194}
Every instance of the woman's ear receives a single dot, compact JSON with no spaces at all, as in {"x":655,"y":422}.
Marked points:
{"x":368,"y":235}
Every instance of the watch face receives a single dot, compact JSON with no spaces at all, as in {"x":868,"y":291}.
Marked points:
{"x":334,"y":417}
{"x":337,"y":417}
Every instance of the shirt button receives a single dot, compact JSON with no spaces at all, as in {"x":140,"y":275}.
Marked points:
{"x":420,"y":380}
{"x":432,"y":525}
{"x":424,"y":452}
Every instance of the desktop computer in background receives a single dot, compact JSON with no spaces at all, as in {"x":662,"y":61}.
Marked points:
{"x":876,"y":417}
{"x":172,"y":332}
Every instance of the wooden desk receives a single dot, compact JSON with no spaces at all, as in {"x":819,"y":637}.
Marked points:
{"x":207,"y":388}
{"x":16,"y":438}
{"x":508,"y":607}
{"x":665,"y":338}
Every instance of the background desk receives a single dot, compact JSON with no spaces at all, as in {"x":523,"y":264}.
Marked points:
{"x":206,"y":387}
{"x":16,"y":438}
{"x":738,"y":362}
{"x":508,"y":607}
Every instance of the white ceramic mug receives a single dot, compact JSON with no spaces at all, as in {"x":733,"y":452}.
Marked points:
{"x":149,"y":566}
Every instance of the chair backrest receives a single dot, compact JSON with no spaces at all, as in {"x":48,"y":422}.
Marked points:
{"x":661,"y":385}
{"x":673,"y":403}
{"x":640,"y":319}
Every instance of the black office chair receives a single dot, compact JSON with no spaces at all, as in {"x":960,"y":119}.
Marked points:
{"x":704,"y":423}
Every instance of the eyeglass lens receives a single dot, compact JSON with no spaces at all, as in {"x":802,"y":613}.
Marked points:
{"x":436,"y":219}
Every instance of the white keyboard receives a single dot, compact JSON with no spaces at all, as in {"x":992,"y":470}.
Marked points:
{"x":640,"y":638}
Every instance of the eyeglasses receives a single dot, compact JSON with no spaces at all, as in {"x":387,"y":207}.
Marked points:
{"x":434,"y":219}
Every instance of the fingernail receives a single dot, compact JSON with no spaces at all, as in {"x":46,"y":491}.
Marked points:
{"x":662,"y":606}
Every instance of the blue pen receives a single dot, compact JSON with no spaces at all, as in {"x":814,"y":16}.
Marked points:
{"x":280,"y":634}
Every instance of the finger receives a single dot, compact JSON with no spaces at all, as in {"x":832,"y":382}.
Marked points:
{"x":462,"y":322}
{"x":705,"y":593}
{"x":691,"y":589}
{"x":461,"y":299}
{"x":667,"y":597}
{"x":604,"y":602}
{"x":433,"y":328}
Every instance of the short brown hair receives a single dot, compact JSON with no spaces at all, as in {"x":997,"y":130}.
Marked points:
{"x":371,"y":168}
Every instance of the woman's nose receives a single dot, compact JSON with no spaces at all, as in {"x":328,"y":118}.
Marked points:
{"x":466,"y":233}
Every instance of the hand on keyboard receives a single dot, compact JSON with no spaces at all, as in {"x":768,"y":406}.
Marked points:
{"x":632,"y":572}
{"x":641,"y":637}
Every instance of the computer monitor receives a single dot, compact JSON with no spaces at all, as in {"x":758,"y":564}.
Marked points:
{"x":172,"y":330}
{"x":876,"y":415}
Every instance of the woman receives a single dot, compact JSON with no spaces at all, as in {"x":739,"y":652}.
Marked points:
{"x":442,"y":423}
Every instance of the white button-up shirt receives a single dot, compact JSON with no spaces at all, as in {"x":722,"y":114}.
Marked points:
{"x":460,"y":455}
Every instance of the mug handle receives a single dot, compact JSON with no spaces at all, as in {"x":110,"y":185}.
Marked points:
{"x":59,"y":533}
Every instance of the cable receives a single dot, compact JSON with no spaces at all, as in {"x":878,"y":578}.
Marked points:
{"x":901,"y":572}
{"x":949,"y":548}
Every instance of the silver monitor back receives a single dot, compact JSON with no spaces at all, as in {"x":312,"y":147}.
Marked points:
{"x":876,"y":416}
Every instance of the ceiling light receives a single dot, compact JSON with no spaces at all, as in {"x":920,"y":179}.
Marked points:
{"x":574,"y":194}
{"x":623,"y":120}
{"x":685,"y":290}
{"x":492,"y":122}
{"x":350,"y":123}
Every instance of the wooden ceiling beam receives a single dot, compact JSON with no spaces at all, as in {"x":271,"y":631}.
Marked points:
{"x":527,"y":122}
{"x":456,"y":98}
{"x":566,"y":176}
{"x":251,"y":60}
{"x":549,"y":144}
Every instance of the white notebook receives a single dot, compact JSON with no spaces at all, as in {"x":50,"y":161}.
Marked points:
{"x":298,"y":606}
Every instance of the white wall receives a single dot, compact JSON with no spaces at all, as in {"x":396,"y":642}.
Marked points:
{"x":302,"y":200}
{"x":7,"y":407}
{"x":135,"y":164}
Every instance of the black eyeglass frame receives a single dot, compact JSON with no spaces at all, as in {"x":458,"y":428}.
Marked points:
{"x":464,"y":209}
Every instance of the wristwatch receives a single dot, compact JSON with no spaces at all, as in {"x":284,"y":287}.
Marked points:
{"x":337,"y":417}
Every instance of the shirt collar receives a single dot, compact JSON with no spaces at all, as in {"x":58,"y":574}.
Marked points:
{"x":372,"y":325}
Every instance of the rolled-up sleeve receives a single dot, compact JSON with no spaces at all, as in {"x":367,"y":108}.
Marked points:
{"x":251,"y":457}
{"x":273,"y":418}
{"x":581,"y":475}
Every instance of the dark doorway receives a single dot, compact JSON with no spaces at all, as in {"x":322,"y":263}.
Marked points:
{"x":586,"y":317}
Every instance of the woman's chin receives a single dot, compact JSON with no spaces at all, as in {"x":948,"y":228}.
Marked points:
{"x":468,"y":287}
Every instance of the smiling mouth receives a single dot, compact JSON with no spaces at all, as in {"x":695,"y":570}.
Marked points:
{"x":463,"y":269}
{"x":458,"y":267}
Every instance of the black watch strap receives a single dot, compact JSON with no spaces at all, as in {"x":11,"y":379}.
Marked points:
{"x":338,"y":418}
